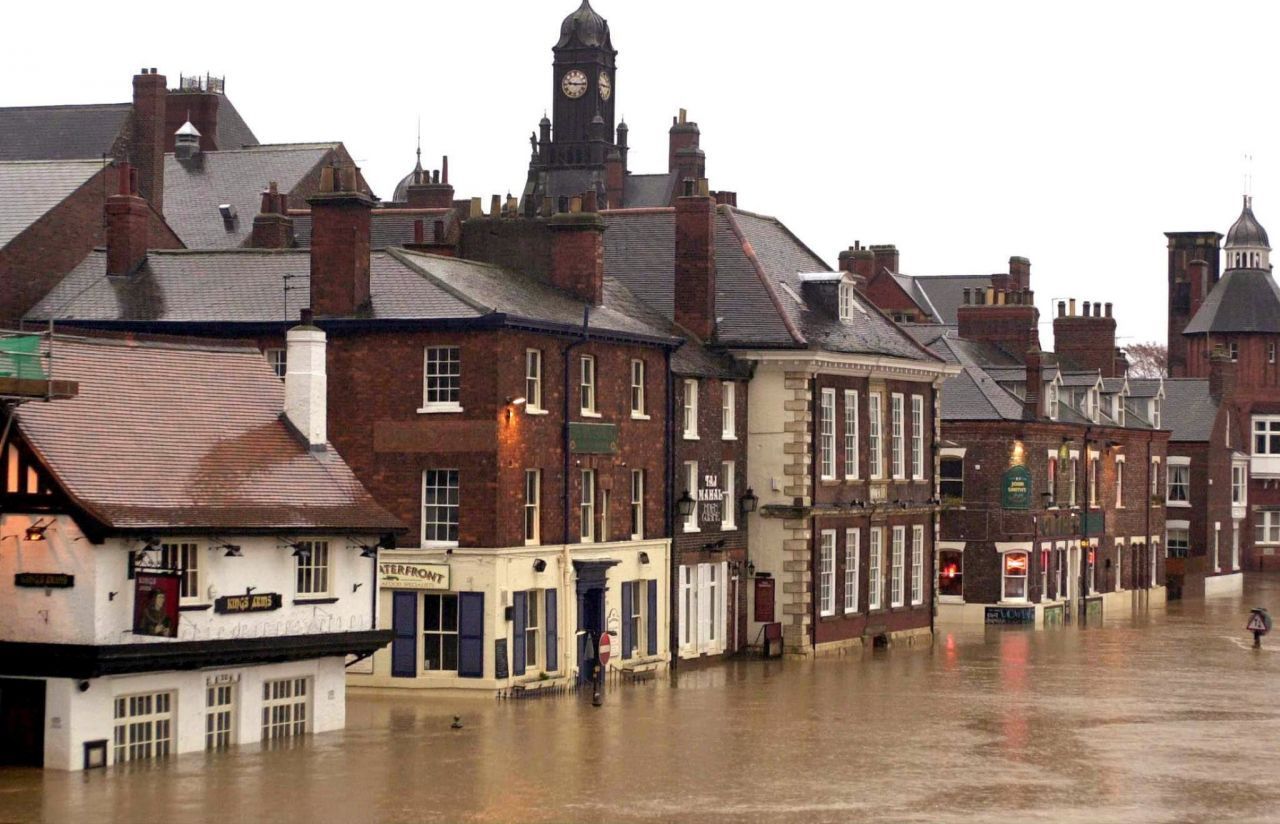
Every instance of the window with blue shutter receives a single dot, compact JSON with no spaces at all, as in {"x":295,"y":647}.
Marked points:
{"x":471,"y":634}
{"x":404,"y":642}
{"x":627,"y":587}
{"x":652,"y":617}
{"x":553,"y":652}
{"x":521,"y":608}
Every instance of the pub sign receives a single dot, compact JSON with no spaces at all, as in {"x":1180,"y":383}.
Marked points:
{"x":155,"y":604}
{"x":1015,"y":488}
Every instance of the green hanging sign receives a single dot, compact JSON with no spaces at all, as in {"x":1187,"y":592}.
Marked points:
{"x":1015,"y":488}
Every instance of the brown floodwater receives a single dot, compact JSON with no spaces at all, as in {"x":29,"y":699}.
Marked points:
{"x":1167,"y":716}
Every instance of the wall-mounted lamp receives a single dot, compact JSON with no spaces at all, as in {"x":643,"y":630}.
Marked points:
{"x":685,"y":504}
{"x":356,"y":586}
{"x":751,"y":569}
{"x":644,"y":557}
{"x":301,"y":551}
{"x":232,"y":550}
{"x":748,"y":502}
{"x":539,"y":565}
{"x":36,"y":531}
{"x":111,"y":596}
{"x":516,"y":401}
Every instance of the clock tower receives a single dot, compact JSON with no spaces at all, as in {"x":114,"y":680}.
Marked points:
{"x":583,"y":86}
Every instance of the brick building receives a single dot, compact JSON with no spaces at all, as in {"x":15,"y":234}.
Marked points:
{"x":1238,"y":316}
{"x":517,"y":425}
{"x":1050,"y":465}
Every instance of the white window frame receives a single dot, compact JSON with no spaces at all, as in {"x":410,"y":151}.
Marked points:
{"x":637,"y":390}
{"x":143,"y":726}
{"x":875,"y":435}
{"x":844,"y":295}
{"x":1239,"y":484}
{"x":897,"y":437}
{"x":533,"y":380}
{"x":532,"y":507}
{"x":728,"y":510}
{"x":637,"y":504}
{"x":917,"y":437}
{"x":728,"y":411}
{"x":1156,"y":497}
{"x":220,"y":713}
{"x":533,"y":645}
{"x":1268,"y":522}
{"x":286,"y":708}
{"x":184,"y":557}
{"x":587,"y":506}
{"x":587,"y":402}
{"x":827,"y":434}
{"x":917,"y":564}
{"x":1074,"y":463}
{"x":446,"y":508}
{"x":278,"y":357}
{"x":603,"y":506}
{"x":313,"y":570}
{"x":1217,"y":540}
{"x":827,"y":573}
{"x":1026,"y":575}
{"x":437,"y":398}
{"x":1178,"y":475}
{"x":852,"y":562}
{"x":689,"y":421}
{"x":875,"y":570}
{"x":1267,"y":427}
{"x":691,"y":481}
{"x":897,"y":573}
{"x":1094,"y":478}
{"x":851,"y":435}
{"x":688,"y":606}
{"x":1119,"y":481}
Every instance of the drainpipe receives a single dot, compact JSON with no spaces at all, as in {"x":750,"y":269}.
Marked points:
{"x":1084,"y":528}
{"x":565,"y":444}
{"x":669,"y":521}
{"x":815,"y":470}
{"x":1151,"y":436}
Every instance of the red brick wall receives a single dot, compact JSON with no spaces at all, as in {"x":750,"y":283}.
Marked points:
{"x":883,"y":291}
{"x":695,"y":265}
{"x":39,"y":257}
{"x":577,"y":255}
{"x":1086,"y":343}
{"x":147,"y":139}
{"x":374,"y":423}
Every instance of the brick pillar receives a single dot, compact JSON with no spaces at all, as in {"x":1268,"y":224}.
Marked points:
{"x":148,"y":139}
{"x":340,"y":225}
{"x":695,"y":261}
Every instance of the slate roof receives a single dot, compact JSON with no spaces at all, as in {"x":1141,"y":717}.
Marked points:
{"x":1245,"y":300}
{"x":29,"y":189}
{"x":246,"y":286}
{"x":1247,"y":231}
{"x":643,"y":191}
{"x":1189,"y":409}
{"x":1144,"y":387}
{"x":945,"y":293}
{"x":61,"y":132}
{"x":759,"y":263}
{"x":187,"y":435}
{"x":973,"y":396}
{"x":194,"y":190}
{"x":911,"y":286}
{"x":232,"y":132}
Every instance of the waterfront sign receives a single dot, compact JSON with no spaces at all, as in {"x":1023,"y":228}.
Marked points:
{"x":1010,"y":615}
{"x":44,"y":580}
{"x":249,"y":602}
{"x":405,"y":575}
{"x":1015,"y":488}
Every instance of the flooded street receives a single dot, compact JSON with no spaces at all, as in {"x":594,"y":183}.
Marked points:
{"x":1166,"y":717}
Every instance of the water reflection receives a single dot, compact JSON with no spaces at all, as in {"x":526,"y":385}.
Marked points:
{"x":1150,"y":717}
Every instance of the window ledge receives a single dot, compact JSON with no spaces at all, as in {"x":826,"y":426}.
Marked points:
{"x":690,"y":530}
{"x":439,"y":545}
{"x":637,"y":416}
{"x":194,"y":607}
{"x":438,"y":408}
{"x":320,"y":600}
{"x":728,"y":437}
{"x":587,"y":414}
{"x":528,"y":410}
{"x":689,"y":437}
{"x":1186,"y":504}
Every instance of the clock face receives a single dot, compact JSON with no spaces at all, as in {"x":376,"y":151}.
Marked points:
{"x":573,"y":84}
{"x":606,"y":86}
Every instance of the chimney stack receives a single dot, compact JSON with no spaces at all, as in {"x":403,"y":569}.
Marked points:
{"x":195,"y":101}
{"x":340,"y":227}
{"x":1031,"y":406}
{"x":992,"y":318}
{"x":1019,"y":273}
{"x":305,"y":384}
{"x":859,"y":263}
{"x":1222,"y":375}
{"x":128,"y":219}
{"x":615,"y":174}
{"x":695,"y":260}
{"x":886,"y":257}
{"x":272,"y":226}
{"x":149,"y":136}
{"x":577,"y":252}
{"x":684,"y":155}
{"x":1087,"y":340}
{"x":434,"y":191}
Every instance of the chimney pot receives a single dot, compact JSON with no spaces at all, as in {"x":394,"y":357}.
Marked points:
{"x":1071,"y":311}
{"x":1108,"y":312}
{"x":1062,"y":308}
{"x":589,"y":201}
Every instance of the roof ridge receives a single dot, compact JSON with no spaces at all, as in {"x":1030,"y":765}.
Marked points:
{"x":764,"y":278}
{"x":67,"y":106}
{"x":641,"y":210}
{"x":402,"y":256}
{"x":45,"y":161}
{"x":132,"y":340}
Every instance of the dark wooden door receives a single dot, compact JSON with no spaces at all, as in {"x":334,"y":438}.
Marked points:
{"x":21,"y":723}
{"x":404,"y":643}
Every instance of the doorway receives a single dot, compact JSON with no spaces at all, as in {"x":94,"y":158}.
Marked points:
{"x":404,"y":641}
{"x":22,"y":722}
{"x":591,"y":588}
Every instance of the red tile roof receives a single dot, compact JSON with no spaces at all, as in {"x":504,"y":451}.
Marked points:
{"x":190,"y":436}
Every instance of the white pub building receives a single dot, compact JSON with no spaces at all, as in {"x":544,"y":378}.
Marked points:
{"x":182,"y":566}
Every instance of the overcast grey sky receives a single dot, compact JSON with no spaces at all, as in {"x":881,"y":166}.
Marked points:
{"x":1071,"y":133}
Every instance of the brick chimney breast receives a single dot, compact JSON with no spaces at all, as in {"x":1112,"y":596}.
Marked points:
{"x":577,"y":254}
{"x":149,"y":135}
{"x":128,"y":218}
{"x":695,"y":261}
{"x":340,"y":243}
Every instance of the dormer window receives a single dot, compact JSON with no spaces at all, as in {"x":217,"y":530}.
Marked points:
{"x":846,"y":301}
